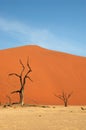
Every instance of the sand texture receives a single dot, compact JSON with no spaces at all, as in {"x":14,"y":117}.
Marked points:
{"x":39,"y":118}
{"x":52,"y":73}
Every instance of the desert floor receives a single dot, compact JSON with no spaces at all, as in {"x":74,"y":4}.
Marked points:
{"x":43,"y":118}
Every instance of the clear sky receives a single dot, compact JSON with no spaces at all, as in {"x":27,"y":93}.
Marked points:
{"x":54,"y":24}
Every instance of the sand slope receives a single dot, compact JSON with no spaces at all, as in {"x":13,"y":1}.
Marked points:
{"x":52,"y":72}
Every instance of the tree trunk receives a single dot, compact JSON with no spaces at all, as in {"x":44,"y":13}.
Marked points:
{"x":65,"y":103}
{"x":22,"y":97}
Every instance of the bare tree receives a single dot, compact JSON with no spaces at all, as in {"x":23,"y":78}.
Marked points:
{"x":22,"y":78}
{"x":64,"y":97}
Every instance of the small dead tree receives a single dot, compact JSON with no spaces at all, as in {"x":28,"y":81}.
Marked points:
{"x":22,"y":78}
{"x":64,"y":97}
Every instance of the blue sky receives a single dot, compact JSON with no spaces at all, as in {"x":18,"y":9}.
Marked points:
{"x":54,"y":24}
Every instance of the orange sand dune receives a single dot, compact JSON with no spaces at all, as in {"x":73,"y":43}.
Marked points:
{"x":52,"y":73}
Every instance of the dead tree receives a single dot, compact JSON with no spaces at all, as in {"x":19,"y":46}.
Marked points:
{"x":22,"y":78}
{"x":64,"y":97}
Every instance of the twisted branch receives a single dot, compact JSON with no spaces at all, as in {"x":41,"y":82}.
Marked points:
{"x":14,"y":74}
{"x":22,"y":67}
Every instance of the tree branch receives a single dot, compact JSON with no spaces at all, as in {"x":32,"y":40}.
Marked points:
{"x":14,"y":74}
{"x":69,"y":95}
{"x":22,"y":67}
{"x":29,"y":78}
{"x":59,"y":96}
{"x":64,"y":96}
{"x":28,"y":67}
{"x":17,"y":91}
{"x":28,"y":64}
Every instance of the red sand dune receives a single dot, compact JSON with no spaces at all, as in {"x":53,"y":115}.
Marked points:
{"x":52,"y":73}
